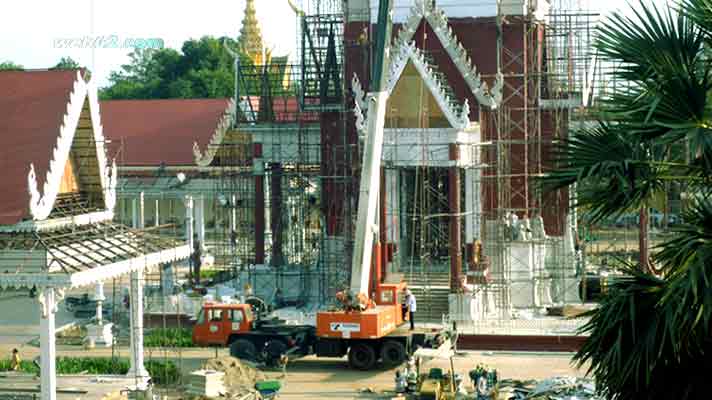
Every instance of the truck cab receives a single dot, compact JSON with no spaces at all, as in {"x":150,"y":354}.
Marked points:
{"x":218,"y":322}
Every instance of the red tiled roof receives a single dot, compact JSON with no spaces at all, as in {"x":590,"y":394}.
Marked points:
{"x":151,"y":132}
{"x":32,"y":106}
{"x":285,"y":109}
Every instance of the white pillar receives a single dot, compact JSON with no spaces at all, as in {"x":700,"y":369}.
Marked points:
{"x":138,"y":211}
{"x":48,"y":299}
{"x":99,"y":297}
{"x":188,"y":201}
{"x":158,"y":206}
{"x":200,"y":220}
{"x":233,"y":222}
{"x":473,"y":205}
{"x":138,"y":370}
{"x":134,"y":212}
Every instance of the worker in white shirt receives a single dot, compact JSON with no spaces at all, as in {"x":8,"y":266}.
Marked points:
{"x":412,"y":307}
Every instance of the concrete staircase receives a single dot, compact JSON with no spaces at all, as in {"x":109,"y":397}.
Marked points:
{"x":431,"y":292}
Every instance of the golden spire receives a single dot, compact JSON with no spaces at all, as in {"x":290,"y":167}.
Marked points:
{"x":250,"y":40}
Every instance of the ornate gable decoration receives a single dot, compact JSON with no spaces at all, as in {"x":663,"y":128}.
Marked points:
{"x":424,"y":9}
{"x":457,"y":115}
{"x":41,"y":204}
{"x":203,"y":159}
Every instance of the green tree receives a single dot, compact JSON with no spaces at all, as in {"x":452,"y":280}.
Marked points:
{"x":10,"y":66}
{"x":67,"y":63}
{"x":650,"y":336}
{"x":203,"y":68}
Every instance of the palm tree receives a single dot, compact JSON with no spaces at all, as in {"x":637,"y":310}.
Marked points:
{"x":650,"y":337}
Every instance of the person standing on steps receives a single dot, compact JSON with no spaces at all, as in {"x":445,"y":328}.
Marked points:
{"x":412,"y":307}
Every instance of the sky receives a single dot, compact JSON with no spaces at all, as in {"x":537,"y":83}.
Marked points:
{"x":37,"y":33}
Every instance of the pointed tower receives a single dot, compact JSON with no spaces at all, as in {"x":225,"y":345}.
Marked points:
{"x":250,"y":39}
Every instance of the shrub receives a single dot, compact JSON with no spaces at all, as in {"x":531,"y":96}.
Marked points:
{"x":162,"y":372}
{"x":169,"y":337}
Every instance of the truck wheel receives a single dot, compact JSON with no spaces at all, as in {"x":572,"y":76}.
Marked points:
{"x":244,"y":350}
{"x":393,"y":353}
{"x":362,"y":356}
{"x":274,"y":349}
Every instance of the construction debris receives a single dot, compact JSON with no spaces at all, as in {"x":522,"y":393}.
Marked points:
{"x":239,"y":376}
{"x":558,"y":388}
{"x":206,"y":383}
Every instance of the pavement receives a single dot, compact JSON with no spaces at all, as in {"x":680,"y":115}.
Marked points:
{"x":306,"y":378}
{"x":20,"y":320}
{"x":312,"y":378}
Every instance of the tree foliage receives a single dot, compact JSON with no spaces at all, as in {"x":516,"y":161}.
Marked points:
{"x":67,"y":63}
{"x":10,"y":66}
{"x":650,"y":336}
{"x":202,"y":69}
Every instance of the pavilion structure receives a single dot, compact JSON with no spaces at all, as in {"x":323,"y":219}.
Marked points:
{"x":57,"y":202}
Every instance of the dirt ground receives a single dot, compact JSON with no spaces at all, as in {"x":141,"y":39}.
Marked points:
{"x":308,"y":378}
{"x":311,"y":378}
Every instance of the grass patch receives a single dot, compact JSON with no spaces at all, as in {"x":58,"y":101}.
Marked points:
{"x":162,"y":372}
{"x":169,"y":337}
{"x":208,"y":274}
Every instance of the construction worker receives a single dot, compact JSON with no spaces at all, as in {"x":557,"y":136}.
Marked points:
{"x":15,"y":361}
{"x":412,"y":307}
{"x":283,"y":360}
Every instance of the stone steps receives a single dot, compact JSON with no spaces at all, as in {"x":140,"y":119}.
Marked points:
{"x":432,"y":302}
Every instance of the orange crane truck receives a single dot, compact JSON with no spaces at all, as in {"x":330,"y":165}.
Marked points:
{"x":364,"y":336}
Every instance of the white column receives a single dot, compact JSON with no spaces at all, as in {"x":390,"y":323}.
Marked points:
{"x":473,"y":205}
{"x":99,"y":297}
{"x":158,"y":206}
{"x":138,"y":211}
{"x":200,"y":220}
{"x":188,"y":201}
{"x":137,"y":370}
{"x":233,"y":222}
{"x":48,"y":373}
{"x":134,"y":212}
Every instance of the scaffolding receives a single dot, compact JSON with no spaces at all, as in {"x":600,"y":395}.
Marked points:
{"x":284,"y":171}
{"x":546,"y":74}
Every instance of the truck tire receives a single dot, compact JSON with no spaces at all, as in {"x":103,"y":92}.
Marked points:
{"x":274,"y":349}
{"x":393,"y":353}
{"x":244,"y":350}
{"x":362,"y":356}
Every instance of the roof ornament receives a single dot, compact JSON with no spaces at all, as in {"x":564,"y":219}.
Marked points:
{"x":438,"y":21}
{"x":41,"y":204}
{"x":203,"y":159}
{"x":456,"y":115}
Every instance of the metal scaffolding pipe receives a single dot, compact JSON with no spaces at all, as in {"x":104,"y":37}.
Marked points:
{"x":455,"y":228}
{"x":259,"y":206}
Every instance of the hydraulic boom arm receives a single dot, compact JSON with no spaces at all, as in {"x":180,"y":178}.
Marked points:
{"x":373,"y":150}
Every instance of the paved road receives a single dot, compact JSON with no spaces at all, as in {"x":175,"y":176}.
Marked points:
{"x":20,"y":319}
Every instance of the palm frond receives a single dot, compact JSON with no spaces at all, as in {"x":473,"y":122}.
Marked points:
{"x":613,"y":171}
{"x":634,"y":351}
{"x":694,"y":235}
{"x":700,"y":12}
{"x":665,"y":73}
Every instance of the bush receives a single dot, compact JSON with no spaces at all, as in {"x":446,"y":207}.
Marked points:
{"x":162,"y":372}
{"x":100,"y":366}
{"x":169,"y":337}
{"x":25,"y":366}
